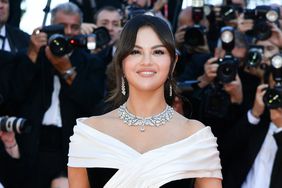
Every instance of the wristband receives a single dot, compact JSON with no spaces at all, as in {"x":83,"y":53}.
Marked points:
{"x":69,"y":73}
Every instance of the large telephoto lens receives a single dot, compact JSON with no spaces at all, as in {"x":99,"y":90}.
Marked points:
{"x":14,"y":124}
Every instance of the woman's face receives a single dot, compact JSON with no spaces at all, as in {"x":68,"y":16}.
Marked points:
{"x":147,"y":67}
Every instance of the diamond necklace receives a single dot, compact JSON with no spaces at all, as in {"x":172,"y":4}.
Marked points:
{"x":153,"y":121}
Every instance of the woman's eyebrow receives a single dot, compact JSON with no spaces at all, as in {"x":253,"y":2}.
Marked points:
{"x":153,"y":47}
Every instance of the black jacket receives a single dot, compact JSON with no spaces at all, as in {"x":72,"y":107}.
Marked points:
{"x":33,"y":86}
{"x":243,"y":144}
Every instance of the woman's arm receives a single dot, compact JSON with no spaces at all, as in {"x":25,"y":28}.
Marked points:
{"x":208,"y":182}
{"x":78,"y":178}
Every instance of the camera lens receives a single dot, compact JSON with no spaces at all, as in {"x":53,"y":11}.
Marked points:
{"x":254,"y":57}
{"x":262,"y":30}
{"x":273,"y":98}
{"x":194,"y":36}
{"x":14,"y":124}
{"x":59,"y":46}
{"x":227,"y":69}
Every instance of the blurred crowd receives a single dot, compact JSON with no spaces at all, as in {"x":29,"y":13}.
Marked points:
{"x":229,"y":75}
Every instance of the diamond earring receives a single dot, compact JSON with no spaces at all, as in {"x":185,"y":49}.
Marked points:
{"x":170,"y":90}
{"x":123,"y":86}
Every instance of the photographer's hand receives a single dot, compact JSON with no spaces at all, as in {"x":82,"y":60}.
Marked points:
{"x":179,"y":35}
{"x":256,"y":71}
{"x":37,"y":40}
{"x":87,"y":28}
{"x":10,"y":144}
{"x":276,"y":36}
{"x":259,"y":105}
{"x":234,"y":89}
{"x":158,"y":5}
{"x":61,"y":64}
{"x":244,"y":25}
{"x":210,"y":69}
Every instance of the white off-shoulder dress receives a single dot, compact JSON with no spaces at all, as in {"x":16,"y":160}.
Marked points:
{"x":193,"y":157}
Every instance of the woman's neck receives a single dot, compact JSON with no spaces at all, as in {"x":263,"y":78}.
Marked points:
{"x":146,"y":105}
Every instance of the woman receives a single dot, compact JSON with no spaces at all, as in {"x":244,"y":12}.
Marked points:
{"x":121,"y":149}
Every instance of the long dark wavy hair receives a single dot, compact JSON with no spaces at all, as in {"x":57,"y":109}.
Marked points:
{"x":126,"y":44}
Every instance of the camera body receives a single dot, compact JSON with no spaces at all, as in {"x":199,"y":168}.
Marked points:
{"x":273,"y":96}
{"x":230,"y":12}
{"x":254,"y":56}
{"x":228,"y":65}
{"x":227,"y":69}
{"x":14,"y":124}
{"x":194,"y":35}
{"x":262,"y":16}
{"x":61,"y":45}
{"x":53,"y":29}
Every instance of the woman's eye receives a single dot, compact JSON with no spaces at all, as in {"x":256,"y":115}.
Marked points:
{"x":134,"y":52}
{"x":159,"y":52}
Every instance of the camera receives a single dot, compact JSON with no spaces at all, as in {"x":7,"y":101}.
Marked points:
{"x":230,"y":12}
{"x":53,"y":29}
{"x":228,"y":65}
{"x":61,"y":45}
{"x":194,"y":35}
{"x":254,"y":56}
{"x":14,"y":124}
{"x":273,"y":96}
{"x":262,"y":16}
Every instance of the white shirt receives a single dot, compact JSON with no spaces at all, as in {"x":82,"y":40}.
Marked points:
{"x":53,"y":115}
{"x":260,"y":173}
{"x":6,"y":42}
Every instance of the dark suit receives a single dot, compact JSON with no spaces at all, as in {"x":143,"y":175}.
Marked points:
{"x":244,"y":144}
{"x":18,"y":39}
{"x":34,"y":85}
{"x":11,"y":170}
{"x":11,"y":175}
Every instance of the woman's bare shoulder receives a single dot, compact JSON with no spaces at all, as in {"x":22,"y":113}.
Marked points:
{"x":97,"y":121}
{"x":190,"y":126}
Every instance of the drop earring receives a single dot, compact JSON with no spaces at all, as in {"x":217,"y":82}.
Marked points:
{"x":123,"y":86}
{"x":170,"y":90}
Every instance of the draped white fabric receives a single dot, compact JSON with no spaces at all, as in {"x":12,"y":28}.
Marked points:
{"x":194,"y":156}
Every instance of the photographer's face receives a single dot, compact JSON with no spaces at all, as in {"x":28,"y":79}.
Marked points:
{"x":112,"y":21}
{"x":270,"y":49}
{"x":4,"y":11}
{"x":71,"y":22}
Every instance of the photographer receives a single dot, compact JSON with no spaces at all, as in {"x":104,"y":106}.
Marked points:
{"x":12,"y":39}
{"x":54,"y":88}
{"x":255,"y":142}
{"x":218,"y":98}
{"x":111,"y":19}
{"x":193,"y":53}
